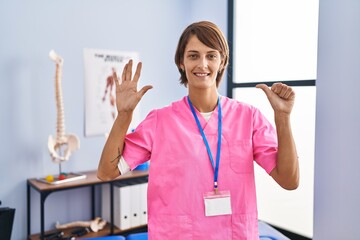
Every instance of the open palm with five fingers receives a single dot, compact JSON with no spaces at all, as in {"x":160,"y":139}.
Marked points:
{"x":127,"y":95}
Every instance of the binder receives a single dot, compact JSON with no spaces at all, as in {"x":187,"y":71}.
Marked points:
{"x":130,"y":204}
{"x":122,"y":208}
{"x":138,"y":207}
{"x":122,"y":205}
{"x":143,"y":203}
{"x":135,"y":209}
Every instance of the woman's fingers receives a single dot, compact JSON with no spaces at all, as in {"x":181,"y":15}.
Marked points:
{"x":137,"y":72}
{"x":128,"y":73}
{"x":123,"y":75}
{"x":127,"y":94}
{"x":282,"y":90}
{"x":132,"y":83}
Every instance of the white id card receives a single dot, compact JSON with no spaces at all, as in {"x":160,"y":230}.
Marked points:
{"x":217,"y":203}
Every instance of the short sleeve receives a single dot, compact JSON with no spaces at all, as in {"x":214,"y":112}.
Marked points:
{"x":264,"y":142}
{"x":138,"y":144}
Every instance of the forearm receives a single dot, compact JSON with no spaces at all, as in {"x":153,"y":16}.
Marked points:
{"x":287,"y":169}
{"x":108,"y":165}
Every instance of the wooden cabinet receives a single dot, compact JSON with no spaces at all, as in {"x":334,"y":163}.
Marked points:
{"x":91,"y":181}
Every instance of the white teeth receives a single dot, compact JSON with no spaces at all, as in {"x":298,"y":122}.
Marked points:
{"x":201,"y":74}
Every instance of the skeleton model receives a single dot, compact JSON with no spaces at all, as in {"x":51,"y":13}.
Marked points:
{"x":94,"y":225}
{"x":62,"y":145}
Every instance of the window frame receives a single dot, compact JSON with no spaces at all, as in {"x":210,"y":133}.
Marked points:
{"x":231,"y":85}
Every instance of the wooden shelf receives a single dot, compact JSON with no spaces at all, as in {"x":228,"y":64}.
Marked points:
{"x":106,"y":231}
{"x":91,"y":180}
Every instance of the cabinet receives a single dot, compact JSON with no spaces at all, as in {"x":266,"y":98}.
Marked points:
{"x":91,"y":181}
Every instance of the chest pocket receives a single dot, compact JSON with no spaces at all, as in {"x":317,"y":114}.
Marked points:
{"x":241,"y":156}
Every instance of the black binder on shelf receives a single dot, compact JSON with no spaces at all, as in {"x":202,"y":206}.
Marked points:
{"x":6,"y":222}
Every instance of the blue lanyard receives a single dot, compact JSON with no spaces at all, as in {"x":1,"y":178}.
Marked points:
{"x":215,"y":167}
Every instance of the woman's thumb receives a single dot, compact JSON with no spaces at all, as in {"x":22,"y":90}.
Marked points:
{"x":265,"y":88}
{"x":145,"y":89}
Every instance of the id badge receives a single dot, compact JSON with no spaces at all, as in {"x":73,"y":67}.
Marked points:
{"x":217,"y":203}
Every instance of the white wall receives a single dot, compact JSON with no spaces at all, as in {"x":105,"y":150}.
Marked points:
{"x":337,"y":163}
{"x":28,"y":30}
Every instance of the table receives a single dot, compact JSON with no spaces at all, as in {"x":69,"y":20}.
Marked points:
{"x":91,"y":181}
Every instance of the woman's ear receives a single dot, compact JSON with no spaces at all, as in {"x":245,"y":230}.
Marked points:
{"x":221,"y":68}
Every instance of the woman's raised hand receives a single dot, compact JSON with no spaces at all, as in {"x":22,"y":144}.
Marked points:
{"x":281,"y":97}
{"x":127,"y":95}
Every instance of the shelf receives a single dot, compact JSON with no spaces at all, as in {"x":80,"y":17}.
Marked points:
{"x":91,"y":180}
{"x":104,"y":232}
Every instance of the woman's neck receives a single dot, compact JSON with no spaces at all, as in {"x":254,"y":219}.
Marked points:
{"x":204,"y":101}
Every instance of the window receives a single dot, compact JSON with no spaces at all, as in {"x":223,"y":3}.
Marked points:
{"x":273,"y":41}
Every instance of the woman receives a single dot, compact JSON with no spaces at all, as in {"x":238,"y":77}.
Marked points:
{"x":202,"y":148}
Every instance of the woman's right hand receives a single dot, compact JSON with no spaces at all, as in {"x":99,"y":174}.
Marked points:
{"x":127,"y":95}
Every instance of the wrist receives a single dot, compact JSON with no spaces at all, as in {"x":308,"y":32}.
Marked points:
{"x":281,"y":115}
{"x":124,"y":117}
{"x":282,"y":118}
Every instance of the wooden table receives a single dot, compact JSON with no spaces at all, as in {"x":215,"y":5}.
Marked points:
{"x":91,"y":181}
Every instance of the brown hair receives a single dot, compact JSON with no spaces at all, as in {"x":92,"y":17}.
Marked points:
{"x":210,"y":35}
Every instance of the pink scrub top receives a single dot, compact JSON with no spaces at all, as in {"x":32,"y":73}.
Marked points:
{"x":181,"y":172}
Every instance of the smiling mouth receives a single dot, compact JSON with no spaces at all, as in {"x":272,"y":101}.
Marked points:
{"x":201,"y":74}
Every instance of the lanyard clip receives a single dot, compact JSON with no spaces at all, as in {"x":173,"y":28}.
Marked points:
{"x":215,"y":187}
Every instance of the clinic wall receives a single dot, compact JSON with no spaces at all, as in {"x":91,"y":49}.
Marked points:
{"x":29,"y":29}
{"x":337,"y":178}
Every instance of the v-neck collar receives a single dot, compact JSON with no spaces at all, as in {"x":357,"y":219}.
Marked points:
{"x":209,"y":127}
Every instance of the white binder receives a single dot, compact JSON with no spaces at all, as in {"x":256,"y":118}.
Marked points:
{"x":143,"y":204}
{"x":122,"y":207}
{"x":135,"y":205}
{"x":130,"y":204}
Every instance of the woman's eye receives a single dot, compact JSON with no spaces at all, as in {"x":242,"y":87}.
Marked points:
{"x":192,"y":56}
{"x":212,"y":56}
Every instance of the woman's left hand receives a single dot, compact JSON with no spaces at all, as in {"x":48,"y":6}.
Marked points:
{"x":280,"y":96}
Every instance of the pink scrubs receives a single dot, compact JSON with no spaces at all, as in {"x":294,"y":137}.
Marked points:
{"x":181,"y":172}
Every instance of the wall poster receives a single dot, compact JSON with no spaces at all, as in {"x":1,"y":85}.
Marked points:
{"x":100,"y":101}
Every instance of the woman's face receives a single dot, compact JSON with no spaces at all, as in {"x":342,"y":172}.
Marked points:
{"x":201,"y":64}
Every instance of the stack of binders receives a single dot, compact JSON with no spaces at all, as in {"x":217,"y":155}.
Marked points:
{"x":130,"y":204}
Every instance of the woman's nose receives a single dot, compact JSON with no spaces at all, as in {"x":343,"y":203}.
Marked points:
{"x":203,"y":62}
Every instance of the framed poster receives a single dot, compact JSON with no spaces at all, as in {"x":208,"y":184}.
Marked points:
{"x":100,"y":98}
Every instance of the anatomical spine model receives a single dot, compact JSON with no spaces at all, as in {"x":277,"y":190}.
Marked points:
{"x":62,"y":145}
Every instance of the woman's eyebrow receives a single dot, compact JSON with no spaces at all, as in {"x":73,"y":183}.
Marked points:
{"x":213,"y":52}
{"x":195,"y":51}
{"x":192,"y":51}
